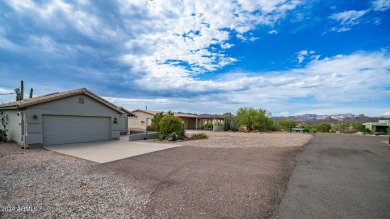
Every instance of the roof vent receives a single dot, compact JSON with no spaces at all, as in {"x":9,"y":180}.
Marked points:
{"x":81,"y":100}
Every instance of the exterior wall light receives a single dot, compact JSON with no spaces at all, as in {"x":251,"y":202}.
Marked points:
{"x":115,"y":121}
{"x":35,"y":117}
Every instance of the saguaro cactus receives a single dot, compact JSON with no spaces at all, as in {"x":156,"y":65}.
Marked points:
{"x":31,"y":93}
{"x":21,"y":90}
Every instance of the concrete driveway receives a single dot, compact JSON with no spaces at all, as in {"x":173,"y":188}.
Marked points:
{"x":107,"y":151}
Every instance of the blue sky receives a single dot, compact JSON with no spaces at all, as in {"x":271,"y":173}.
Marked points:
{"x":289,"y":57}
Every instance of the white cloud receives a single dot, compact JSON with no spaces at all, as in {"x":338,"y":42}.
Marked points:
{"x":346,"y":19}
{"x":330,"y":81}
{"x":304,"y":54}
{"x":273,"y":32}
{"x":160,"y":38}
{"x":380,"y":5}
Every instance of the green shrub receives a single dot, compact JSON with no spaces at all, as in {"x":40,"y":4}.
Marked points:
{"x":286,"y":124}
{"x":226,"y":124}
{"x":323,"y":127}
{"x":182,"y":133}
{"x":172,"y":137}
{"x":3,"y":135}
{"x":155,"y":126}
{"x":169,"y":124}
{"x":199,"y":136}
{"x":254,"y":119}
{"x":218,"y":123}
{"x":366,"y":131}
{"x":150,"y":128}
{"x":208,"y":124}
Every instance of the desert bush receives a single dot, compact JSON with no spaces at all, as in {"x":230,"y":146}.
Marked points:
{"x":156,"y":121}
{"x":254,"y":119}
{"x":208,"y":124}
{"x":226,"y":124}
{"x":172,"y":137}
{"x":351,"y":127}
{"x":3,"y":135}
{"x":150,"y":128}
{"x":366,"y":131}
{"x":199,"y":136}
{"x":229,"y":123}
{"x":217,"y":123}
{"x":286,"y":124}
{"x":323,"y":127}
{"x":169,"y":124}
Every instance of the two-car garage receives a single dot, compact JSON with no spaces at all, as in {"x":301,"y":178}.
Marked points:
{"x":75,"y":129}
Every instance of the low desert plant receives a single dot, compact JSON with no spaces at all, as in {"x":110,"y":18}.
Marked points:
{"x":3,"y":135}
{"x":199,"y":136}
{"x":366,"y":131}
{"x":172,"y":137}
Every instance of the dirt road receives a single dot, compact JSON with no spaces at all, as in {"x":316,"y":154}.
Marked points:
{"x":195,"y":182}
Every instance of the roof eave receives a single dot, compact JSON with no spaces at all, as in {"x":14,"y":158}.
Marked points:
{"x":9,"y":108}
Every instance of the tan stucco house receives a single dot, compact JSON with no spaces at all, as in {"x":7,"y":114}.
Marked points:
{"x":143,"y":118}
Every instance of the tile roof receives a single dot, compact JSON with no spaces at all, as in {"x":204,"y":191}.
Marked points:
{"x":183,"y":115}
{"x":56,"y":96}
{"x":127,"y":112}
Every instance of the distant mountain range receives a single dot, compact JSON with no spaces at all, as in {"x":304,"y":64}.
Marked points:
{"x":336,"y":117}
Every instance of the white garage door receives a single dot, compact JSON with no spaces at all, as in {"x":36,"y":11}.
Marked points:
{"x":75,"y":129}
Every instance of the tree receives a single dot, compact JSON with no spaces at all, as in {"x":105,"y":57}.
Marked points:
{"x":254,"y":119}
{"x":156,"y":121}
{"x":323,"y":127}
{"x":286,"y":124}
{"x":169,"y":124}
{"x":170,"y":113}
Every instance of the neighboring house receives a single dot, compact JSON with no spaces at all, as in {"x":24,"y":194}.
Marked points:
{"x":380,"y":126}
{"x":60,"y":118}
{"x":124,"y":121}
{"x":297,"y":129}
{"x":144,"y":118}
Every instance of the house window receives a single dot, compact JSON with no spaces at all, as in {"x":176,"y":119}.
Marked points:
{"x":81,"y":100}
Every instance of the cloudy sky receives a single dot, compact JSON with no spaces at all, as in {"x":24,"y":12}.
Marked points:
{"x":287,"y":56}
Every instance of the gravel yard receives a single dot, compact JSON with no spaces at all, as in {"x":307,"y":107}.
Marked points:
{"x":244,"y":140}
{"x":229,"y":175}
{"x":38,"y":183}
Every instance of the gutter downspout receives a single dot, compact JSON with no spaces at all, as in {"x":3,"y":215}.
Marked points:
{"x":23,"y":127}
